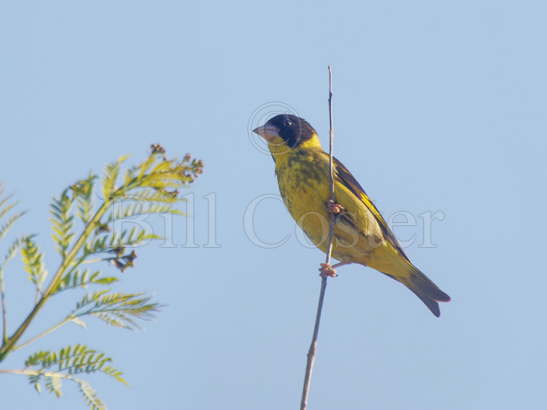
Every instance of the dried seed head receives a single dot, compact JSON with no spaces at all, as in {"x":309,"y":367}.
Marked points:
{"x":102,"y":228}
{"x":157,"y":149}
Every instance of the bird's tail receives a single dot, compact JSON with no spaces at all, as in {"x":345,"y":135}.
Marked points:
{"x":426,"y":290}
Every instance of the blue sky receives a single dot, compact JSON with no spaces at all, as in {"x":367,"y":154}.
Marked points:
{"x":440,"y":109}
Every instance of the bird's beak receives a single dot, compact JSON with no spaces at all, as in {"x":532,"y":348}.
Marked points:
{"x":268,"y":132}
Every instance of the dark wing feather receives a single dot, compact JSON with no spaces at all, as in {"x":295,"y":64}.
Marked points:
{"x":349,"y":181}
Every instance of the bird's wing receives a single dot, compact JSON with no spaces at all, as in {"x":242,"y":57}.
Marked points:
{"x":349,"y":181}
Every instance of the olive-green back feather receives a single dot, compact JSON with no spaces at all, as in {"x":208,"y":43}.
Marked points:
{"x":349,"y":181}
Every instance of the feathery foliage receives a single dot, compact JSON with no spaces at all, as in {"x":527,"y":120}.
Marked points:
{"x":51,"y":368}
{"x":83,"y":191}
{"x":88,"y":229}
{"x":82,"y":279}
{"x":74,"y":360}
{"x":11,"y":252}
{"x":33,"y":262}
{"x":6,"y":207}
{"x":116,"y":309}
{"x":62,"y":222}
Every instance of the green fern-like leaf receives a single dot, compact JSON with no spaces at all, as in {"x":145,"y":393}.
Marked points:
{"x":152,"y":196}
{"x":130,"y":238}
{"x":116,"y":309}
{"x":33,"y":262}
{"x":62,"y":222}
{"x":111,"y":176}
{"x":138,"y":209}
{"x":96,"y":245}
{"x":85,"y":208}
{"x":145,"y":166}
{"x":4,"y":229}
{"x":35,"y":380}
{"x":82,"y":279}
{"x":54,"y":385}
{"x":90,"y":396}
{"x":159,"y":178}
{"x":11,"y":252}
{"x":6,"y":206}
{"x":74,"y":360}
{"x":83,"y":191}
{"x":107,"y":243}
{"x":53,"y":382}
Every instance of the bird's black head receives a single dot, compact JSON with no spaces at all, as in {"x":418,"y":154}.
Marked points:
{"x":292,"y":129}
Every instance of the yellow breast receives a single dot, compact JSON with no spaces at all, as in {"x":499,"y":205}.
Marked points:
{"x":303,"y":177}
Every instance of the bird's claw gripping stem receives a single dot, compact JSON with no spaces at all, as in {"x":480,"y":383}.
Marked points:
{"x":327,"y":271}
{"x":334,"y":208}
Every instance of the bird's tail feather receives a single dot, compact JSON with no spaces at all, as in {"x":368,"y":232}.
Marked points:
{"x":426,"y":290}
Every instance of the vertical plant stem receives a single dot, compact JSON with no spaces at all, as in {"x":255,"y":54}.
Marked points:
{"x":313,"y":346}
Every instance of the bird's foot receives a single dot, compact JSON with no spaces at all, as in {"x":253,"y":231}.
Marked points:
{"x":334,"y":208}
{"x":327,"y":271}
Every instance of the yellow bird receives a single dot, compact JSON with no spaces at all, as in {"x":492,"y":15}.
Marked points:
{"x":361,"y":235}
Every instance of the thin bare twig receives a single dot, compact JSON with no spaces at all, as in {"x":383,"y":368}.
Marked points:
{"x":53,"y":374}
{"x":313,"y":346}
{"x":29,"y":372}
{"x":42,"y":334}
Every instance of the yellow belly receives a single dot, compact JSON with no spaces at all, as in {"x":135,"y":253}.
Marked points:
{"x":304,"y":185}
